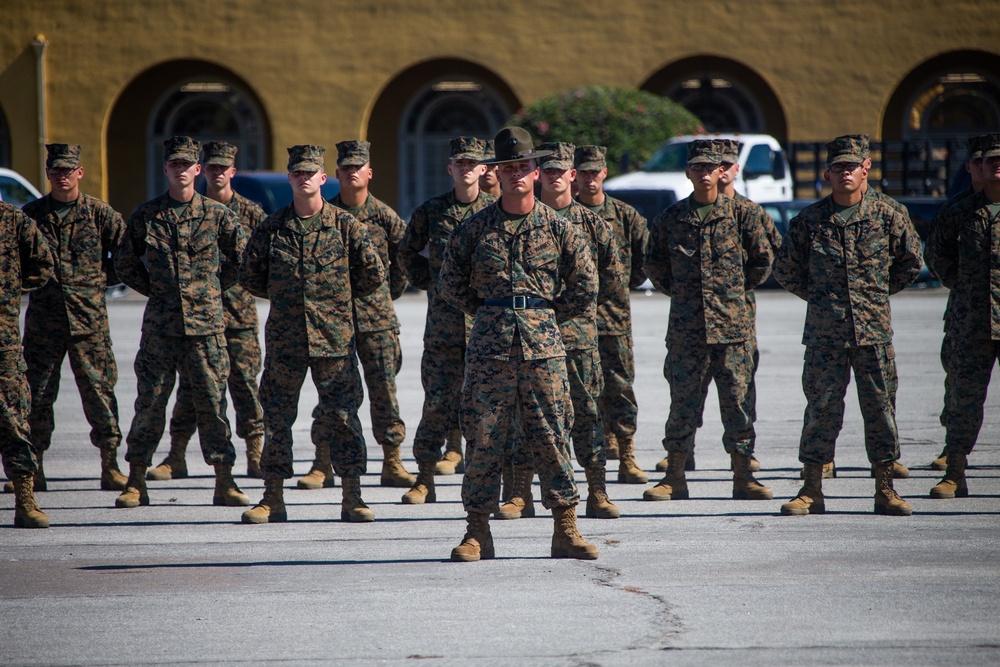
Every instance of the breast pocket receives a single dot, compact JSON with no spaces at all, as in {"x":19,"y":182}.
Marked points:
{"x":203,"y":250}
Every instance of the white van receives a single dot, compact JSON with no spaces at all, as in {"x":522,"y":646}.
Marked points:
{"x":764,"y":173}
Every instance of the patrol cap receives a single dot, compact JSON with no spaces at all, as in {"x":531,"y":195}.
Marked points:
{"x":590,"y":158}
{"x":488,"y":151}
{"x":62,"y":156}
{"x":730,"y":150}
{"x":513,"y":144}
{"x":704,"y":150}
{"x":562,"y":155}
{"x":353,"y":153}
{"x":466,"y":148}
{"x":991,"y":145}
{"x":305,"y":157}
{"x":848,"y":148}
{"x":181,"y":148}
{"x":220,"y":152}
{"x":975,"y":147}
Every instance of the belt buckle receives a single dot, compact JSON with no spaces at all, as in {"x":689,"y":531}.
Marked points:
{"x":519,"y":302}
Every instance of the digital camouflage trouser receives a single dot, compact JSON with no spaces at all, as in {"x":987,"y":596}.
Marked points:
{"x":967,"y":383}
{"x":243,"y":348}
{"x":201,"y":362}
{"x":619,"y":409}
{"x":15,"y":404}
{"x":583,"y":369}
{"x":335,"y":418}
{"x":494,"y":393}
{"x":442,"y":369}
{"x":381,"y":358}
{"x":688,"y":369}
{"x":93,"y":363}
{"x":826,"y":375}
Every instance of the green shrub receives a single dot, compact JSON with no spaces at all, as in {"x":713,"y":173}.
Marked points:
{"x":633,"y":124}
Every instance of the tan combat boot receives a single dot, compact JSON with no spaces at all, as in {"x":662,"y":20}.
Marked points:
{"x":452,"y":462}
{"x":255,"y":447}
{"x":829,"y":471}
{"x":673,"y":486}
{"x":39,"y":482}
{"x":393,"y":472}
{"x":271,"y":508}
{"x":320,"y":475}
{"x":226,"y":491}
{"x":599,"y":506}
{"x":899,"y":471}
{"x":478,"y":541}
{"x":422,"y":490}
{"x":611,"y":445}
{"x":745,"y":487}
{"x":810,"y":499}
{"x":174,"y":466}
{"x":887,"y":501}
{"x":953,"y":485}
{"x":628,"y":471}
{"x":689,"y":464}
{"x":567,"y":542}
{"x":27,"y":514}
{"x":352,"y":507}
{"x":520,"y":505}
{"x":112,"y":478}
{"x":941,"y":462}
{"x":135,"y":493}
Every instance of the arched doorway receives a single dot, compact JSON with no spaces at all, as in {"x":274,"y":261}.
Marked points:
{"x":726,"y":95}
{"x":194,"y":98}
{"x":419,"y":112}
{"x":953,"y":96}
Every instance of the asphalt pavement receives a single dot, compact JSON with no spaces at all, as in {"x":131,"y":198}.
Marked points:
{"x":704,"y":581}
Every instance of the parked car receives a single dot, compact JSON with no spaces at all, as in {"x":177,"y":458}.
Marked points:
{"x":15,"y":188}
{"x":764,"y":173}
{"x":270,"y":189}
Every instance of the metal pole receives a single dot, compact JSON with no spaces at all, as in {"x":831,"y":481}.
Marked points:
{"x":38,"y":45}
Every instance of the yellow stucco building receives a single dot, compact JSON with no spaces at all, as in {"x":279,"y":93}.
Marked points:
{"x":118,"y":76}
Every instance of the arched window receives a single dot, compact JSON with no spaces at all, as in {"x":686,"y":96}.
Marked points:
{"x":206,"y":109}
{"x":721,"y":102}
{"x":434,"y":115}
{"x":954,"y":103}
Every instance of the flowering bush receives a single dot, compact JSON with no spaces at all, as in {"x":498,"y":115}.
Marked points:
{"x":633,"y":124}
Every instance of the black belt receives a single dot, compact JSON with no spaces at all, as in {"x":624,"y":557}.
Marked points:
{"x":519,"y":302}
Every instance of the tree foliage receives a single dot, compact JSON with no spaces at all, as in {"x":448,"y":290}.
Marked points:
{"x":631,"y":123}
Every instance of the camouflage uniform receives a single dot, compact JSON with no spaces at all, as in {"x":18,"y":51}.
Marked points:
{"x":311,"y":275}
{"x":515,"y":357}
{"x":962,"y":249}
{"x":446,"y":330}
{"x":619,"y":409}
{"x":846,"y":270}
{"x":25,"y":264}
{"x":69,"y":315}
{"x":242,"y":346}
{"x":930,"y":257}
{"x":709,"y":269}
{"x":183,"y":262}
{"x":376,"y":327}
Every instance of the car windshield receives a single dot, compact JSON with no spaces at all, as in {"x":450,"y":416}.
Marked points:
{"x":668,"y":158}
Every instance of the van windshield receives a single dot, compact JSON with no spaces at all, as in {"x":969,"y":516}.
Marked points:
{"x":668,"y":158}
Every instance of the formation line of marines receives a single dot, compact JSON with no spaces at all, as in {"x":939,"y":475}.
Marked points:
{"x":527,"y":341}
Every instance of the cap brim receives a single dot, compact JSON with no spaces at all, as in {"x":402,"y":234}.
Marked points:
{"x":305,"y":166}
{"x":352,"y":162}
{"x":466,"y":156}
{"x":219,"y":160}
{"x":520,"y":158}
{"x":705,"y":159}
{"x":565,"y":165}
{"x":991,"y":153}
{"x":181,"y":156}
{"x":63,"y":164}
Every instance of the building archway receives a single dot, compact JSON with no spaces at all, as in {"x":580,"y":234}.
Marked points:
{"x":952,"y":96}
{"x":726,"y":95}
{"x":189,"y":97}
{"x":4,"y":140}
{"x":415,"y":116}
